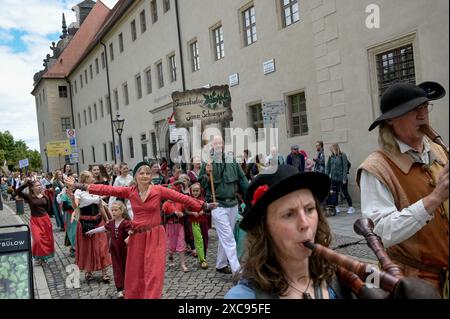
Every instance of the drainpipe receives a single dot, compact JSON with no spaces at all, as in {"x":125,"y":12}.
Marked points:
{"x":108,"y":102}
{"x":180,"y":47}
{"x":73,"y":117}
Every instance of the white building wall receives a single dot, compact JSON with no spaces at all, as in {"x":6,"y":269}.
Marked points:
{"x":49,"y":115}
{"x":328,"y":55}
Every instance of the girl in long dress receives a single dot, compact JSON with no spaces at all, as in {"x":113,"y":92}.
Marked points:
{"x":118,"y":228}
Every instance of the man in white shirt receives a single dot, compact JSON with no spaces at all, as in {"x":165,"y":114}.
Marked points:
{"x":404,"y":185}
{"x":124,"y":179}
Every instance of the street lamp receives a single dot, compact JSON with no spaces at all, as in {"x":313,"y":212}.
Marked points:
{"x":118,"y":125}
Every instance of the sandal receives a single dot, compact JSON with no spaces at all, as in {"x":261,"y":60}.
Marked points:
{"x":88,"y":276}
{"x":185,"y":269}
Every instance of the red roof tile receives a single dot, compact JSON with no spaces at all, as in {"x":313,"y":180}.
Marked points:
{"x":80,"y":42}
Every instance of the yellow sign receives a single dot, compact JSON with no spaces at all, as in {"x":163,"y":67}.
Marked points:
{"x":58,"y":148}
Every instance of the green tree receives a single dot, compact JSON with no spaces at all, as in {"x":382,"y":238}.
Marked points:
{"x":13,"y":151}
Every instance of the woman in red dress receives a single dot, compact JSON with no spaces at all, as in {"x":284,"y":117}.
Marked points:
{"x":146,"y":258}
{"x":43,"y":246}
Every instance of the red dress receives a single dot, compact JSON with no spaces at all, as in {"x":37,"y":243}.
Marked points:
{"x":118,"y":249}
{"x":146,"y":258}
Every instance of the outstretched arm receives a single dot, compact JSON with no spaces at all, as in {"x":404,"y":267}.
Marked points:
{"x":99,"y":189}
{"x":197,"y":205}
{"x":100,"y":229}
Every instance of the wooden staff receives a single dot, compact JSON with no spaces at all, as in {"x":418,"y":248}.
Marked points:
{"x":211,"y":180}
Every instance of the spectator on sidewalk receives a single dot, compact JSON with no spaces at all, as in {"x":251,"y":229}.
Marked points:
{"x":319,"y":160}
{"x":296,"y":159}
{"x":337,"y":170}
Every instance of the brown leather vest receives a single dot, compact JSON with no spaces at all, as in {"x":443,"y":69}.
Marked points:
{"x":409,"y":182}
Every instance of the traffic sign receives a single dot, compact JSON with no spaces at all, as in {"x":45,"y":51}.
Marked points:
{"x":23,"y":163}
{"x":73,"y":141}
{"x":58,"y":148}
{"x":70,"y":133}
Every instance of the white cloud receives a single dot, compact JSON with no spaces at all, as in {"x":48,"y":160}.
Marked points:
{"x":5,"y":36}
{"x":36,"y":20}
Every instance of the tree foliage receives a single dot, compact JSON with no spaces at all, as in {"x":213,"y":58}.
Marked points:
{"x":13,"y":151}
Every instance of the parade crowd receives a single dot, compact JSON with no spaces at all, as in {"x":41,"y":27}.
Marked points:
{"x":267,"y":211}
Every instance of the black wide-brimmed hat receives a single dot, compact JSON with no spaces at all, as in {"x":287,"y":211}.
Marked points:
{"x":401,"y":98}
{"x":266,"y":188}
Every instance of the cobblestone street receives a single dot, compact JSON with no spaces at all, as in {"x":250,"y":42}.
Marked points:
{"x":195,"y":284}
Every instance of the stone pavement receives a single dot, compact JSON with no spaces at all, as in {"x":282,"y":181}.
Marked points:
{"x":196,"y":284}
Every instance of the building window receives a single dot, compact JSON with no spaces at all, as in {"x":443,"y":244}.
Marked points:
{"x":102,"y":112}
{"x":111,"y":148}
{"x":81,"y":80}
{"x":166,"y":5}
{"x":148,"y":79}
{"x":95,"y":112}
{"x":85,"y":77}
{"x":85,"y":117}
{"x":96,"y":66}
{"x":143,"y":21}
{"x":43,"y":95}
{"x":82,"y":156}
{"x":160,"y":74}
{"x":103,"y":60}
{"x":62,"y":89}
{"x":90,"y":114}
{"x":195,"y":59}
{"x":256,"y":118}
{"x":116,"y":99}
{"x":154,"y":11}
{"x":125,"y":94}
{"x":75,"y":85}
{"x":290,"y":13}
{"x":79,"y":120}
{"x":154,"y":146}
{"x":108,"y":103}
{"x":133,"y":30}
{"x":111,"y":51}
{"x":218,"y":43}
{"x":130,"y":144}
{"x":395,"y":66}
{"x":91,"y":73}
{"x":144,"y":146}
{"x":120,"y":42}
{"x":65,"y":123}
{"x":249,"y":24}
{"x":105,"y":152}
{"x":93,"y":155}
{"x":299,"y":120}
{"x":138,"y":86}
{"x":172,"y":68}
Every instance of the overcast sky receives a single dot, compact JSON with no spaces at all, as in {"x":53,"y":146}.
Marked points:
{"x":27,"y":29}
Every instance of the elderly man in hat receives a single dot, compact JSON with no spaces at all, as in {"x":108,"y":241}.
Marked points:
{"x":404,"y":184}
